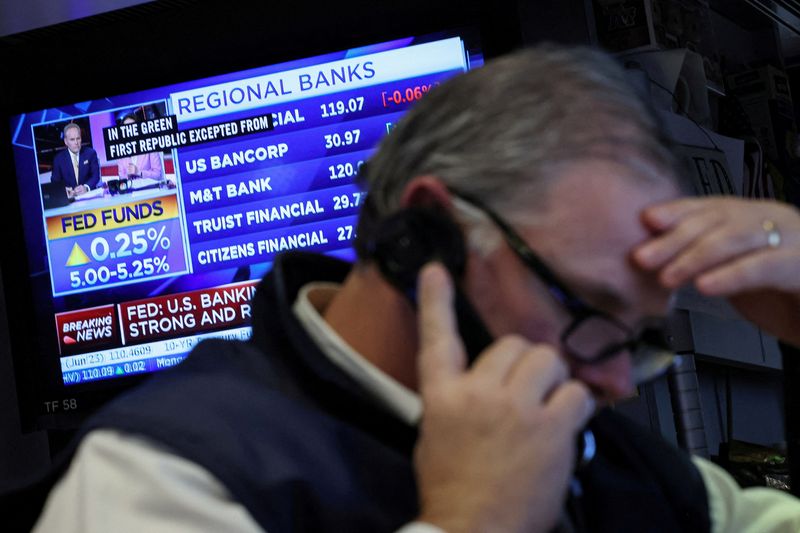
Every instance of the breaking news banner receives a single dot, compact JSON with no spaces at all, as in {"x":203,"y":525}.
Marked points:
{"x":150,"y":319}
{"x":159,"y":134}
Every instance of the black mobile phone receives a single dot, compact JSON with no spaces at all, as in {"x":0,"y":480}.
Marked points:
{"x":405,"y":242}
{"x":408,"y":240}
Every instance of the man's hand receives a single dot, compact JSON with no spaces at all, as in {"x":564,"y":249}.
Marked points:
{"x":497,"y":441}
{"x":132,"y":170}
{"x":80,"y":189}
{"x":746,"y":250}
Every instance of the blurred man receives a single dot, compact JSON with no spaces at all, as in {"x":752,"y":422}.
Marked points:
{"x":354,"y":408}
{"x":76,"y":167}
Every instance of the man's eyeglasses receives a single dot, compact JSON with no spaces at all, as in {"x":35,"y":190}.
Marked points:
{"x":593,"y":336}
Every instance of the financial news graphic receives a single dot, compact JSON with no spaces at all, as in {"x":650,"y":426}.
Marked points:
{"x":110,"y":246}
{"x":181,"y":197}
{"x":247,"y":199}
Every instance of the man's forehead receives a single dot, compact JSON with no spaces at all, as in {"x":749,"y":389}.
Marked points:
{"x":602,"y":199}
{"x":591,"y":224}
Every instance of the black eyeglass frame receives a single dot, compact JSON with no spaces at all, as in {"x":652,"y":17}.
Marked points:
{"x":580,"y":311}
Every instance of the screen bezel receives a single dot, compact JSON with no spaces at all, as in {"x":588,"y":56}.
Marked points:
{"x":179,"y":41}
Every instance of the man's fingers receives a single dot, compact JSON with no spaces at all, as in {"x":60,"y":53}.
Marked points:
{"x":768,"y":269}
{"x":494,"y":366}
{"x":656,"y":252}
{"x":441,"y":352}
{"x":435,"y":301}
{"x":537,"y":374}
{"x":573,"y":403}
{"x":663,"y":216}
{"x":714,"y":248}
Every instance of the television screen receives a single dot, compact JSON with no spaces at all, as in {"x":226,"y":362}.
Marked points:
{"x":150,"y":217}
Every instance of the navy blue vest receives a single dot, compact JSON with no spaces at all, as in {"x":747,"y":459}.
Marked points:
{"x":304,"y":448}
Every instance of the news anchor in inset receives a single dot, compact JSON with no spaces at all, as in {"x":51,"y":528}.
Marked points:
{"x":77,"y":166}
{"x":142,"y":165}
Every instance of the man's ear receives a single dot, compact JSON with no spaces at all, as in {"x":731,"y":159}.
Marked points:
{"x":427,"y":191}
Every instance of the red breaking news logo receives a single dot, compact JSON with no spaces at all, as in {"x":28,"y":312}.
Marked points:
{"x":87,"y":329}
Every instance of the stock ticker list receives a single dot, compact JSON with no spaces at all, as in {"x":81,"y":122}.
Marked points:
{"x":294,"y":188}
{"x":241,"y":200}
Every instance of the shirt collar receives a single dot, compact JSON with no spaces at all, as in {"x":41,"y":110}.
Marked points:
{"x":311,"y":301}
